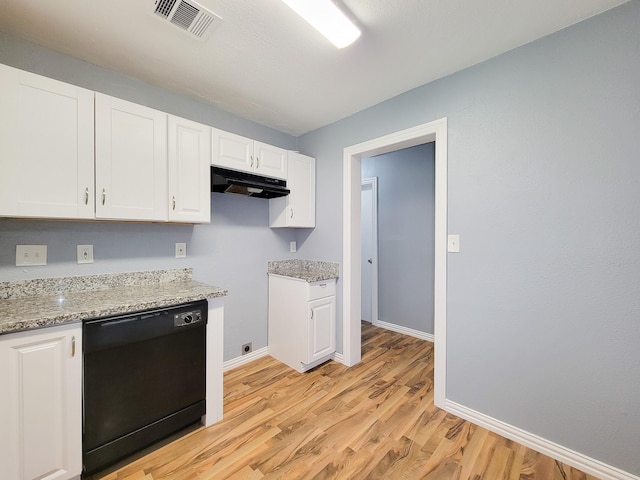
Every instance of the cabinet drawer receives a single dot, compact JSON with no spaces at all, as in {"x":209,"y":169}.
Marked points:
{"x":322,"y":289}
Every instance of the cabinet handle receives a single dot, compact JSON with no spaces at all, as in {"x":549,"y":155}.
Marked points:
{"x":86,"y":196}
{"x":291,"y":212}
{"x":322,"y":285}
{"x":104,"y":196}
{"x":257,"y":162}
{"x":73,"y":347}
{"x":174,"y":202}
{"x":251,"y":161}
{"x":312,"y":314}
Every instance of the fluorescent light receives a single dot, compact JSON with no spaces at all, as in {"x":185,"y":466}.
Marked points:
{"x":329,"y":20}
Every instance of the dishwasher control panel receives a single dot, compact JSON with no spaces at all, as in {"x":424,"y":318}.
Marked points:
{"x":187,"y":318}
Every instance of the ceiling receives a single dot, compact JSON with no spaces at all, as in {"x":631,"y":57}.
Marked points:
{"x":265,"y":64}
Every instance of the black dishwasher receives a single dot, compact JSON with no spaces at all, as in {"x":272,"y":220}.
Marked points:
{"x":144,"y":378}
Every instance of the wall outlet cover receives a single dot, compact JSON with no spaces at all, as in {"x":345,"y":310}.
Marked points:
{"x":85,"y":253}
{"x":29,"y":255}
{"x":181,"y":250}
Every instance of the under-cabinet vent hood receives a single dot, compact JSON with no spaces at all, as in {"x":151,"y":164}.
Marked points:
{"x":189,"y":16}
{"x":232,"y":181}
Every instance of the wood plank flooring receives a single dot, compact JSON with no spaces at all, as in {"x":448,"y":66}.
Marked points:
{"x":376,"y":420}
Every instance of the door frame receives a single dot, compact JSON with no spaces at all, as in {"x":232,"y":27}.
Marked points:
{"x":351,"y":241}
{"x":372,"y":184}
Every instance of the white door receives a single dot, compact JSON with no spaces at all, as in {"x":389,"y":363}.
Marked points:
{"x":41,"y":404}
{"x":46,"y":147}
{"x":131,"y":161}
{"x":369,"y":250}
{"x":189,"y":171}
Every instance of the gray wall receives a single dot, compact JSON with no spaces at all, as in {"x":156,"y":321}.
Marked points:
{"x":232,"y":252}
{"x":406,"y":194}
{"x":543,"y":303}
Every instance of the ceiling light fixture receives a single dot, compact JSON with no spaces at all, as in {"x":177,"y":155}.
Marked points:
{"x":328,"y":19}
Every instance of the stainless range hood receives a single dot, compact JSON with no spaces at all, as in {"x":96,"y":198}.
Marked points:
{"x":232,"y":181}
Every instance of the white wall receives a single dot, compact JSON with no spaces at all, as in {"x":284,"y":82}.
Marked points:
{"x":543,"y":301}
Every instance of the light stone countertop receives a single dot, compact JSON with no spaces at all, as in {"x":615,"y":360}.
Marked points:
{"x":41,"y":303}
{"x":307,"y":270}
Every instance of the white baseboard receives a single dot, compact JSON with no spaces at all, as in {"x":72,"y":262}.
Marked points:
{"x":558,"y":452}
{"x":243,"y":359}
{"x":405,"y":330}
{"x":338,"y":357}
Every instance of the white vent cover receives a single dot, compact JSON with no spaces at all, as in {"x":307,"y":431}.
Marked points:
{"x":189,"y":16}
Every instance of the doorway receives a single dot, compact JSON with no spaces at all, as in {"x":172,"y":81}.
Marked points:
{"x":435,"y":131}
{"x":369,"y":254}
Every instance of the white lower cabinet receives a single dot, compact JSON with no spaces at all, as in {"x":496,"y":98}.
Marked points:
{"x":41,"y":404}
{"x":302,"y":321}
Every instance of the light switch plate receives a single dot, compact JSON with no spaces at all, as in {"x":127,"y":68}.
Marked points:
{"x":85,"y":253}
{"x":453,"y":244}
{"x":29,"y":255}
{"x":181,"y":250}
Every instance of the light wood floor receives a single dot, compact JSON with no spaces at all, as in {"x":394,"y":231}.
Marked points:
{"x":372,"y":421}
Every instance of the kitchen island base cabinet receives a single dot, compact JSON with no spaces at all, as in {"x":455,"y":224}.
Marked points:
{"x":302,"y":321}
{"x":41,"y":404}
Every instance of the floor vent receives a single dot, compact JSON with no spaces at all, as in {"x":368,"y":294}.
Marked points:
{"x":189,"y":16}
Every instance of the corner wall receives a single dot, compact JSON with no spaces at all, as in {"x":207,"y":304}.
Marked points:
{"x":543,"y":303}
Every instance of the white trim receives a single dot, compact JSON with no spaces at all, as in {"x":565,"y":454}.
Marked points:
{"x":214,"y":387}
{"x":372,"y":183}
{"x":351,"y":298}
{"x":404,"y":330}
{"x":565,"y":455}
{"x":244,"y":359}
{"x":338,"y":357}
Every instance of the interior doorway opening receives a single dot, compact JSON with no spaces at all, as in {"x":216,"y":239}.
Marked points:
{"x":435,"y":131}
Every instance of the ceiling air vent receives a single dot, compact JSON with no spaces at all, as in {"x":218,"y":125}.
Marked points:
{"x":189,"y":16}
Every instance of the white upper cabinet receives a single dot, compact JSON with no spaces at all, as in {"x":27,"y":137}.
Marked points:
{"x":189,"y":171}
{"x":270,"y":161}
{"x":240,"y":153}
{"x":298,"y":209}
{"x":46,"y":147}
{"x":131,"y":161}
{"x":41,"y":404}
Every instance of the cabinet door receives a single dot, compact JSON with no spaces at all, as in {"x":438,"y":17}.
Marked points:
{"x":189,"y":171}
{"x":131,"y":161}
{"x":322,"y":328}
{"x":269,"y":160}
{"x":232,"y":151}
{"x":46,"y":147}
{"x":302,"y":200}
{"x":41,"y":404}
{"x":298,"y":209}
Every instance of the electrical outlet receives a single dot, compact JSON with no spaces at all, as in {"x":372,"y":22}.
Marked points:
{"x":292,"y":247}
{"x":247,"y":348}
{"x":28,"y":255}
{"x":85,"y":253}
{"x":181,"y":250}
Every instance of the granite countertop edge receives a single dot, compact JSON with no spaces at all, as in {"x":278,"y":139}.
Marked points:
{"x":307,"y":270}
{"x":34,"y":312}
